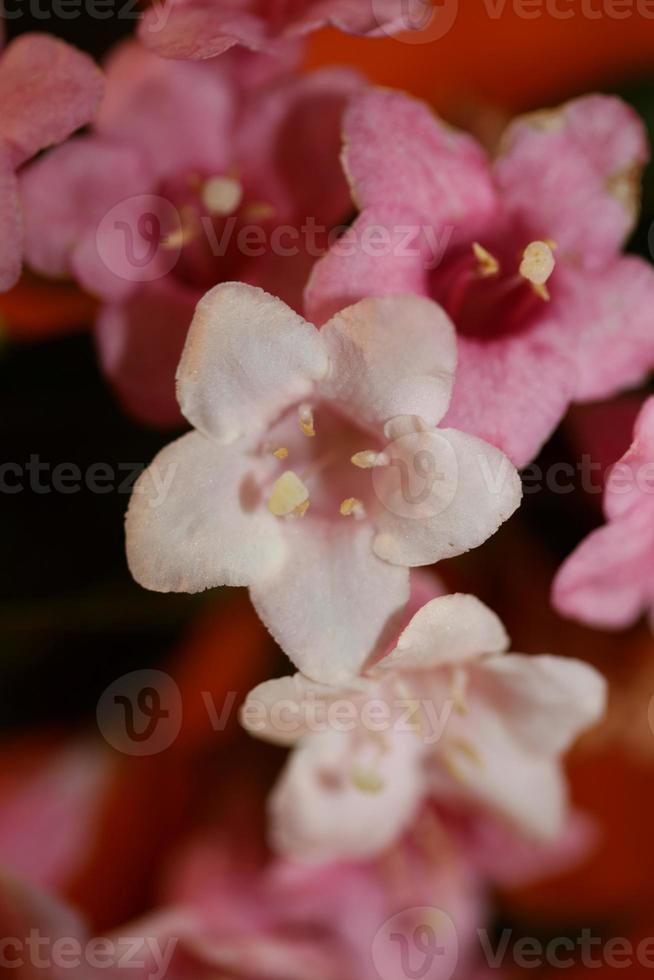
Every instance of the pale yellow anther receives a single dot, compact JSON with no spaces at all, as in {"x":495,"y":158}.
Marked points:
{"x":259,"y":211}
{"x":368,"y":458}
{"x":367,"y":781}
{"x":352,"y":507}
{"x":537,"y":266}
{"x":222,"y":195}
{"x":305,"y":415}
{"x":188,"y":230}
{"x":289,"y":496}
{"x":487,"y":264}
{"x":281,"y":453}
{"x":459,"y":690}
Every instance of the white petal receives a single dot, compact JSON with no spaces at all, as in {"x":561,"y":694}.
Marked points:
{"x":444,"y":493}
{"x":247,"y":357}
{"x":335,"y":603}
{"x":195,"y":520}
{"x":395,"y":355}
{"x":449,"y":629}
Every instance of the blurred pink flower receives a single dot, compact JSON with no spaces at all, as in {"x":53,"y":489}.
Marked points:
{"x":47,"y":91}
{"x":608,"y":581}
{"x":151,"y":209}
{"x":200,"y":29}
{"x":447,"y":715}
{"x":290,"y":422}
{"x":523,"y":254}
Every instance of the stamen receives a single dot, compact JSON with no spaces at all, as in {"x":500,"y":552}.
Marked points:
{"x":305,"y":414}
{"x":487,"y":264}
{"x":459,"y":689}
{"x":289,"y":496}
{"x":368,"y":458}
{"x":222,"y":195}
{"x":537,"y":266}
{"x":367,"y":781}
{"x":259,"y":211}
{"x":188,"y":230}
{"x":351,"y":507}
{"x":281,"y":453}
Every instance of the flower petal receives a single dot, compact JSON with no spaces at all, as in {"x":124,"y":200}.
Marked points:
{"x":194,"y":520}
{"x":11,"y":225}
{"x":545,"y":701}
{"x":384,"y":252}
{"x":397,"y":150}
{"x":607,"y":580}
{"x":335,"y":603}
{"x":339,"y":799}
{"x":247,"y":357}
{"x":616,"y":351}
{"x":390,"y":356}
{"x":449,"y":629}
{"x":141,"y":338}
{"x":281,"y":710}
{"x":444,"y":493}
{"x":48,"y":89}
{"x":573,"y":174}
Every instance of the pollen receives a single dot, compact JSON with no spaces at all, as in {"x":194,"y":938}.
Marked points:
{"x":222,"y":195}
{"x":367,"y":781}
{"x":352,"y":507}
{"x":289,"y":496}
{"x":188,"y":230}
{"x":281,"y":453}
{"x":305,"y":415}
{"x":487,"y":264}
{"x":368,"y":458}
{"x":537,"y":266}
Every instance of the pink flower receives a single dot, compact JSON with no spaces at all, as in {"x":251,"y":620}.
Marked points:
{"x":199,"y":29}
{"x":189,"y":173}
{"x":47,"y":91}
{"x":608,"y":581}
{"x":523,"y":254}
{"x":315,"y":474}
{"x":446,"y":715}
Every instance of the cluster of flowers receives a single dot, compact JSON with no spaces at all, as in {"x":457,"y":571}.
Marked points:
{"x":355,"y":417}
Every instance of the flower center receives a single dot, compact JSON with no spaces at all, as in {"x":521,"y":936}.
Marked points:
{"x":318,"y":464}
{"x":491,"y":291}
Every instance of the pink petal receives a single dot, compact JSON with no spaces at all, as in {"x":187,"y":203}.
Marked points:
{"x":397,"y":151}
{"x":448,"y":630}
{"x":66,"y":194}
{"x":335,"y":603}
{"x":390,"y":356}
{"x":319,"y":812}
{"x":47,"y":90}
{"x":11,"y":225}
{"x":191,"y":524}
{"x":573,"y":174}
{"x":607,"y":580}
{"x":147,"y":100}
{"x":247,"y":357}
{"x":617,"y":350}
{"x":140,"y":342}
{"x":629,"y":482}
{"x":513,"y":391}
{"x":383,"y":253}
{"x":261,"y":714}
{"x":444,"y":493}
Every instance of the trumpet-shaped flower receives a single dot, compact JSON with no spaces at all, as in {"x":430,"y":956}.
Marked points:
{"x":194,"y":174}
{"x":198,"y":29}
{"x":523,"y":253}
{"x":315,"y":473}
{"x":448,"y":715}
{"x":608,"y":581}
{"x":47,"y":91}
